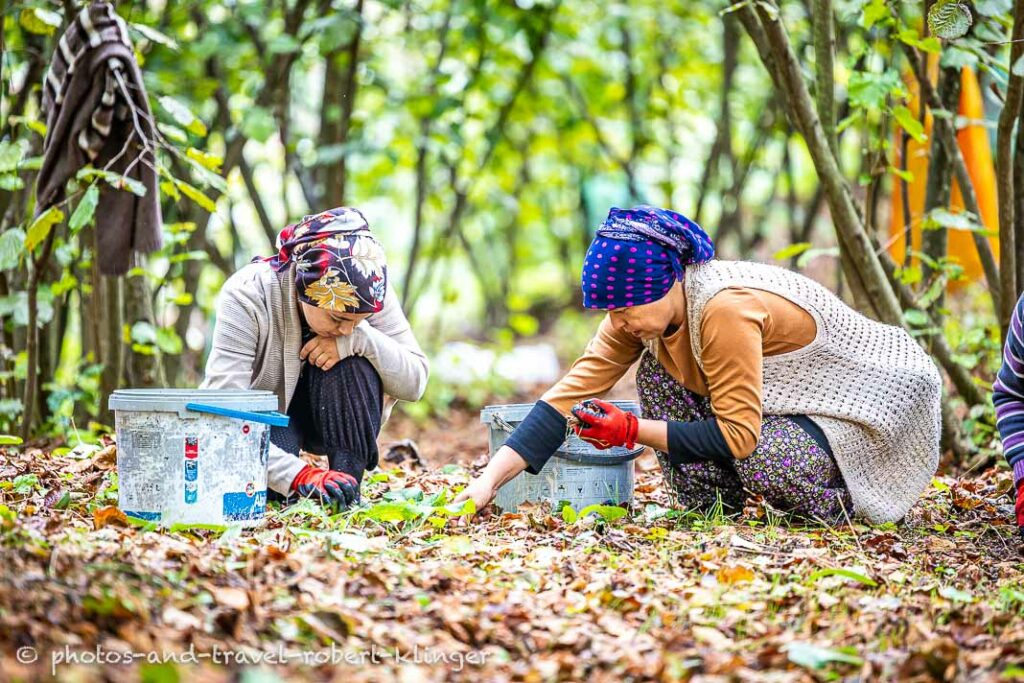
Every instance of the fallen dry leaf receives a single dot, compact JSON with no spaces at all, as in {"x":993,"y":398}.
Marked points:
{"x":737,"y":574}
{"x":233,"y":598}
{"x":653,"y":596}
{"x":109,"y":516}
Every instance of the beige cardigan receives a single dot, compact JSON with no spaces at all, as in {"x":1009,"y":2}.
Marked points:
{"x":258,"y":336}
{"x":870,"y":387}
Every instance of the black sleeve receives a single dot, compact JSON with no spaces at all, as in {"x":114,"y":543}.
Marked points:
{"x":690,"y":442}
{"x":538,"y":436}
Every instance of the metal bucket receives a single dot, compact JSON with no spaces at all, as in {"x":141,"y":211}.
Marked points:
{"x":194,"y":456}
{"x":577,"y":473}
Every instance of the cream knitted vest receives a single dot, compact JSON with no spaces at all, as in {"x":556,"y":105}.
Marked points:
{"x":870,"y":387}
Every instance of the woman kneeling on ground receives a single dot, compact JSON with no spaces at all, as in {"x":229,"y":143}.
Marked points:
{"x":753,"y":380}
{"x":318,"y":325}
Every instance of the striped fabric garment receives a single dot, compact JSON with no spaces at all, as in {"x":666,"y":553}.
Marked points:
{"x":1008,"y":397}
{"x":96,"y":24}
{"x":97,"y":113}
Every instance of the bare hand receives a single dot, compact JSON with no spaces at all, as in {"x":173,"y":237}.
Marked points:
{"x":480,"y":491}
{"x":321,"y":352}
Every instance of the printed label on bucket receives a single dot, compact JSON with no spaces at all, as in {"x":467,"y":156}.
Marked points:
{"x":242,"y":505}
{"x":191,"y":470}
{"x":147,"y":516}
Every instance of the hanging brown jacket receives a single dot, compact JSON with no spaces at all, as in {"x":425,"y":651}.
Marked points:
{"x":97,"y":112}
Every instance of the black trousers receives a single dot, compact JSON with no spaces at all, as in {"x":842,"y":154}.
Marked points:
{"x":336,"y":413}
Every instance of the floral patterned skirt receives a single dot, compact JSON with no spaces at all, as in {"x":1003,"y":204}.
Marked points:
{"x":788,"y":468}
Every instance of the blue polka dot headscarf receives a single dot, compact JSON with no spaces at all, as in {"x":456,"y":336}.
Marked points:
{"x":638,"y":254}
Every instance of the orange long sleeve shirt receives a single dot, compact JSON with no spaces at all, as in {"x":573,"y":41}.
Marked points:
{"x":738,"y":328}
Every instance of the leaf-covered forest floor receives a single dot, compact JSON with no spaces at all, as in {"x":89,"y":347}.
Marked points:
{"x":404,"y":592}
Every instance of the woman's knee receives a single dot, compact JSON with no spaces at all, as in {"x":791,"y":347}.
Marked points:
{"x":345,"y":375}
{"x":352,"y":366}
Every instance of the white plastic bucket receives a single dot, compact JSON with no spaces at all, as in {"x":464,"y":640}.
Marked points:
{"x":179,"y":466}
{"x":578,"y":473}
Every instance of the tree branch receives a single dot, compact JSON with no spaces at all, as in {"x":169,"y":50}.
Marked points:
{"x":944,"y":129}
{"x":269,"y":228}
{"x":853,"y":238}
{"x":1005,"y":176}
{"x":824,"y":57}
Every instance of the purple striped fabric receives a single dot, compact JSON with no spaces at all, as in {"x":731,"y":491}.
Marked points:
{"x":1008,"y":395}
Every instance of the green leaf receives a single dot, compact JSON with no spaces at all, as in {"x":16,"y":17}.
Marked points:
{"x":9,"y":440}
{"x":791,"y":251}
{"x":870,"y":90}
{"x":909,"y":123}
{"x":960,"y":56}
{"x":914,"y":39}
{"x":955,"y":594}
{"x":390,"y":512}
{"x":40,"y":21}
{"x":41,"y":227}
{"x":569,"y":515}
{"x":24,"y":483}
{"x":282,"y":44}
{"x":874,"y":12}
{"x":258,"y":124}
{"x":608,"y":513}
{"x":209,"y":178}
{"x":208,"y":161}
{"x":993,"y":8}
{"x":32,"y":124}
{"x":916,"y":318}
{"x":183,"y":227}
{"x":170,"y":189}
{"x":845,"y":573}
{"x":154,"y":36}
{"x":120,"y":182}
{"x":466,"y":507}
{"x":524,"y":324}
{"x":173,"y":133}
{"x":11,"y":244}
{"x":85,"y":210}
{"x":168,"y":341}
{"x":31,"y":164}
{"x":1018,"y":67}
{"x":414,"y":493}
{"x":143,"y":333}
{"x":195,"y":195}
{"x":183,"y":115}
{"x":115,"y":180}
{"x":941,"y":218}
{"x":65,"y":284}
{"x":11,"y":182}
{"x":910,"y":275}
{"x":11,"y":154}
{"x":811,"y":254}
{"x":814,"y":656}
{"x":967,"y":360}
{"x":950,"y":19}
{"x":195,"y":255}
{"x":905,"y":176}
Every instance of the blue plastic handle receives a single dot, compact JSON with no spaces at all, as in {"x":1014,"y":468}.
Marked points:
{"x":271,"y":417}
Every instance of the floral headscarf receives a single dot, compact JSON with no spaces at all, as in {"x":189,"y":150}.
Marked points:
{"x":339,"y":265}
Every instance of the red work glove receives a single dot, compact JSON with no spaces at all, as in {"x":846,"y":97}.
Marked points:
{"x":604,"y":425}
{"x":329,"y":486}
